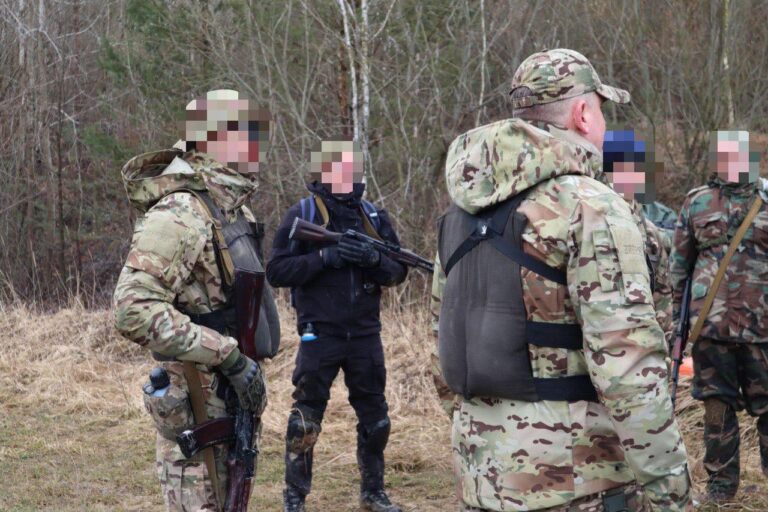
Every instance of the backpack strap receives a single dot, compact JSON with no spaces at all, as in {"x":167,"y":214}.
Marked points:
{"x":491,"y":228}
{"x":316,"y":204}
{"x":371,"y":219}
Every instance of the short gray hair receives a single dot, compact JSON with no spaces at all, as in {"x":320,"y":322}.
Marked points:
{"x":554,"y":112}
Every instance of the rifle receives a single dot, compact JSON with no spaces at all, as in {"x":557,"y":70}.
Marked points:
{"x":305,"y":231}
{"x":239,"y":429}
{"x":681,"y":337}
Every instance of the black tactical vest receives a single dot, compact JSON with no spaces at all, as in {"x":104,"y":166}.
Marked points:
{"x":484,"y":332}
{"x":244,"y":245}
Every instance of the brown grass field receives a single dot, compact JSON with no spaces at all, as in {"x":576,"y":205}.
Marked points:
{"x":74,"y":435}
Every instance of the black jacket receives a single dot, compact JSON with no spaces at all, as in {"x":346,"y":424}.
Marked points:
{"x":341,"y":302}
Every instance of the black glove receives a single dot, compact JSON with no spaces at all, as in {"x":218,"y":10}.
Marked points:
{"x":363,"y":254}
{"x":245,"y":377}
{"x":331,"y":257}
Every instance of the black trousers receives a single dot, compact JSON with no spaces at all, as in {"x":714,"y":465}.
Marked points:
{"x":317,"y":365}
{"x":362,"y":360}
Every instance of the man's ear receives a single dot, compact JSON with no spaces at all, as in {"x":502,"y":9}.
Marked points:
{"x":580,"y":116}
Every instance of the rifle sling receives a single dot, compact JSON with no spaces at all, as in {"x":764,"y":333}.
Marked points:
{"x":710,"y":298}
{"x":198,"y":409}
{"x":210,"y":433}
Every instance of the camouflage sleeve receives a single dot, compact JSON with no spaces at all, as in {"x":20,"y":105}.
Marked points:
{"x":448,"y":399}
{"x":683,"y":257}
{"x":166,"y":244}
{"x":624,"y":346}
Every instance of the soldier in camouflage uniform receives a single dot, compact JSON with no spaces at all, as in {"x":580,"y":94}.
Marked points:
{"x":731,"y":355}
{"x":172,"y":273}
{"x":622,"y":449}
{"x":627,"y":168}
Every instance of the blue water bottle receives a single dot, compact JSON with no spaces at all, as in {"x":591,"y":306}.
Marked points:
{"x":158,"y":384}
{"x":309,"y":333}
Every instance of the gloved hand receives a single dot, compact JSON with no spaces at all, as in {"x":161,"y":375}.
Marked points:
{"x":245,"y":377}
{"x":331,"y":257}
{"x":363,"y":254}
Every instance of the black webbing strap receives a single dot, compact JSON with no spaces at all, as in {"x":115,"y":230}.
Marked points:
{"x":487,"y":226}
{"x":544,"y":334}
{"x":569,"y":389}
{"x":491,"y":227}
{"x":220,"y":320}
{"x":526,"y":260}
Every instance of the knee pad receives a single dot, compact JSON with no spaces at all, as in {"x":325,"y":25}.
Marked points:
{"x":715,"y":411}
{"x":302,"y":433}
{"x":374,"y":436}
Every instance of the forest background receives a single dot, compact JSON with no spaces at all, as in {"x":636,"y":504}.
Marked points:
{"x":86,"y":84}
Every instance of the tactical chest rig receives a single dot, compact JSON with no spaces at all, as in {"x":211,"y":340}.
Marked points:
{"x":484,"y":332}
{"x":237,"y":245}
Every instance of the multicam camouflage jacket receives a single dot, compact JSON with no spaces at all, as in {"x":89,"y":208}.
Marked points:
{"x":658,"y":256}
{"x":709,"y":218}
{"x":513,"y":455}
{"x":171,"y":266}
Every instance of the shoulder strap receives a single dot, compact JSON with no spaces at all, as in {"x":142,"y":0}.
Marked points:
{"x":491,"y":229}
{"x":371,"y":220}
{"x":220,"y":244}
{"x":710,"y":298}
{"x":316,"y":202}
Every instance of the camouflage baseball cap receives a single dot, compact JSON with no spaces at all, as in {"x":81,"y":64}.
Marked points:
{"x":555,"y":75}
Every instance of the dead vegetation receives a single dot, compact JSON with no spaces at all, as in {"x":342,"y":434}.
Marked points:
{"x":74,"y":435}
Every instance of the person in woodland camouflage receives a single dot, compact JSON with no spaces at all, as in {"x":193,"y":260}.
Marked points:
{"x":173,"y":274}
{"x":730,"y":357}
{"x":631,"y":172}
{"x":620,"y":449}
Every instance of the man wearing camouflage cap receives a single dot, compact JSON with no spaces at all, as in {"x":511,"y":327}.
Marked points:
{"x":559,"y":360}
{"x":174,"y":294}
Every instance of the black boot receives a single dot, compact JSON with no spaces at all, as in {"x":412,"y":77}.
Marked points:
{"x":377,"y":501}
{"x":293,"y":500}
{"x":371,"y":441}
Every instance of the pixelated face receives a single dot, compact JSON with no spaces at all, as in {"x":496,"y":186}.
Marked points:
{"x":629,"y":169}
{"x":232,"y":131}
{"x":732,"y":159}
{"x":338,"y":165}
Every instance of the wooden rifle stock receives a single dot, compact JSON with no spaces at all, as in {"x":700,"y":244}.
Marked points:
{"x":305,"y":231}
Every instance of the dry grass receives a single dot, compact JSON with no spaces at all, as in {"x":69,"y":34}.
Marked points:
{"x":74,"y":435}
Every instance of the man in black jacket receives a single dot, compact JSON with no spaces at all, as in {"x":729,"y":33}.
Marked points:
{"x":336,"y":290}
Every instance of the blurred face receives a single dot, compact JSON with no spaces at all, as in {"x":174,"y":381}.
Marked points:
{"x":731,"y":163}
{"x":627,"y":179}
{"x":232,"y":132}
{"x":338,"y":165}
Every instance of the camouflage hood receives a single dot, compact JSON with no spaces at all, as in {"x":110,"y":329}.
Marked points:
{"x":495,"y":162}
{"x":152,"y":176}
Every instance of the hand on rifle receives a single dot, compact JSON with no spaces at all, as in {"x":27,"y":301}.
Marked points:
{"x":332,"y":257}
{"x":359,"y":252}
{"x":245,"y":377}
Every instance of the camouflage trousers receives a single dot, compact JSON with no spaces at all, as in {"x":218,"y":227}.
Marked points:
{"x":627,"y":498}
{"x":729,"y":377}
{"x":185,"y":483}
